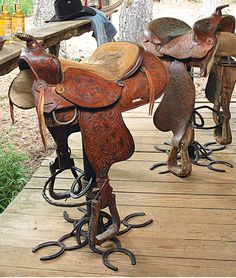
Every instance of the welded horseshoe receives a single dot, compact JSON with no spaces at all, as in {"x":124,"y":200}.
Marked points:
{"x":117,"y":250}
{"x":159,"y":164}
{"x":220,"y":118}
{"x":219,"y":148}
{"x":125,"y":230}
{"x":68,"y":218}
{"x":80,"y":193}
{"x":103,"y":225}
{"x":101,"y":252}
{"x":209,"y":165}
{"x":202,"y":122}
{"x":78,"y":226}
{"x":132,"y":215}
{"x":47,"y":244}
{"x":162,"y":150}
{"x":78,"y":245}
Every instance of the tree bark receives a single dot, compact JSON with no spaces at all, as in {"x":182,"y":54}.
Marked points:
{"x":134,"y":15}
{"x":44,"y":10}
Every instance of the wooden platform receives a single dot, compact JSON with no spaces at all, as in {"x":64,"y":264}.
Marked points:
{"x":194,"y":229}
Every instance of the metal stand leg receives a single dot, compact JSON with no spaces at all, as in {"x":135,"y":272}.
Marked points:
{"x":87,"y":184}
{"x":196,"y":150}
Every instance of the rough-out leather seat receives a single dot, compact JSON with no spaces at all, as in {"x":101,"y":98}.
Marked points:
{"x":162,"y":30}
{"x":112,"y":61}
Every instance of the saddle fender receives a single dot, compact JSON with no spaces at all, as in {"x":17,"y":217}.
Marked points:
{"x":176,"y":107}
{"x":106,"y":141}
{"x":106,"y":138}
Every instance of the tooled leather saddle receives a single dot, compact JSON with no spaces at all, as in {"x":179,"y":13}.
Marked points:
{"x":198,"y":45}
{"x":210,"y":40}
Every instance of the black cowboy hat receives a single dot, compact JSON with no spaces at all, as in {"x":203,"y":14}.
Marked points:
{"x":70,"y":9}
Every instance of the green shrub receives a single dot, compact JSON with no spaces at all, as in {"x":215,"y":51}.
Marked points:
{"x":13,"y":173}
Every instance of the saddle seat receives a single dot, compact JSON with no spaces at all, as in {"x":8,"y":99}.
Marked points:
{"x":162,"y":30}
{"x":112,"y":61}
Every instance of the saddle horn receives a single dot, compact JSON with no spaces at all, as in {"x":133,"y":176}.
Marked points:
{"x":218,"y":10}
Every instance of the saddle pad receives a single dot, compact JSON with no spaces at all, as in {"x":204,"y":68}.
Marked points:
{"x":88,"y":90}
{"x":20,"y":92}
{"x":111,"y":61}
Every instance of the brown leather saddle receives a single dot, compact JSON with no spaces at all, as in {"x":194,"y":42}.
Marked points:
{"x":84,"y":85}
{"x":90,"y":98}
{"x":181,"y":47}
{"x":174,"y":38}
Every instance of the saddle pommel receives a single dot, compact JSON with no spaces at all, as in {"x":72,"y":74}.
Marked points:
{"x":205,"y":28}
{"x":30,"y":40}
{"x":44,"y":65}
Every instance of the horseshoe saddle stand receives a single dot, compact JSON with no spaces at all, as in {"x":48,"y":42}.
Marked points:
{"x":207,"y":45}
{"x":71,"y":97}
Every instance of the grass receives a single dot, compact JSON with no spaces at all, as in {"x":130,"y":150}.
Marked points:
{"x":13,"y":173}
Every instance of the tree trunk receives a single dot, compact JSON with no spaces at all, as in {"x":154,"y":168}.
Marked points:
{"x":134,"y":15}
{"x":44,"y":10}
{"x":208,"y":6}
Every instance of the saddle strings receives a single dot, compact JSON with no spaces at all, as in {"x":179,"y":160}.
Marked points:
{"x":41,"y":119}
{"x":151,"y":90}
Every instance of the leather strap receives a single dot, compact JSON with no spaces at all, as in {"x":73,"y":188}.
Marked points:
{"x":152,"y":89}
{"x":41,"y":119}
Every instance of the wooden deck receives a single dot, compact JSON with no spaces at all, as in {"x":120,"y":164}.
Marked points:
{"x":194,"y":229}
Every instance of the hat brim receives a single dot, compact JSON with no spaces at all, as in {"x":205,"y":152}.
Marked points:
{"x":87,"y":11}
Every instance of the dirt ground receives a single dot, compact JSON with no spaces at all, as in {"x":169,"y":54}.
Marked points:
{"x":24,"y":134}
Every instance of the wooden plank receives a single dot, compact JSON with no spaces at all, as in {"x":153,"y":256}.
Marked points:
{"x":152,"y":187}
{"x":197,"y":241}
{"x":16,"y":271}
{"x":152,"y":200}
{"x":37,"y":228}
{"x":180,"y":215}
{"x":151,"y":156}
{"x":10,"y":51}
{"x":139,"y":170}
{"x":153,"y":137}
{"x":198,"y":103}
{"x":146,"y":144}
{"x":151,"y":266}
